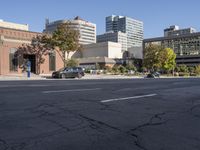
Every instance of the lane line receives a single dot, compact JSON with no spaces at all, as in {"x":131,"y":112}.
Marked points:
{"x":127,"y":98}
{"x":73,"y":90}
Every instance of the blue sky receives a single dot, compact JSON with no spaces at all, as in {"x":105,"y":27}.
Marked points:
{"x":156,"y":14}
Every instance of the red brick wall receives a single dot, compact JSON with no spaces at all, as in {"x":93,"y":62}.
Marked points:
{"x":5,"y":49}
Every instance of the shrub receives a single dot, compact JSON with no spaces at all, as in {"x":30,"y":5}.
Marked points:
{"x":131,"y":67}
{"x":122,"y":69}
{"x":115,"y":69}
{"x":87,"y":70}
{"x":108,"y":68}
{"x":97,"y":66}
{"x":182,"y":68}
{"x":191,"y":69}
{"x":71,"y":63}
{"x":197,"y":70}
{"x":184,"y":74}
{"x":193,"y":74}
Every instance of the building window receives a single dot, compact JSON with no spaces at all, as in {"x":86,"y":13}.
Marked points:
{"x":52,"y":61}
{"x":13,"y":60}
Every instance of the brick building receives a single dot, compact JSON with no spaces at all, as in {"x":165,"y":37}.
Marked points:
{"x":10,"y":41}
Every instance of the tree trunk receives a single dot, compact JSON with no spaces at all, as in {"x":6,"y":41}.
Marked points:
{"x":64,"y":58}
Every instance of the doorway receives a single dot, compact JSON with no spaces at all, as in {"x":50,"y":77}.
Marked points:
{"x":32,"y":59}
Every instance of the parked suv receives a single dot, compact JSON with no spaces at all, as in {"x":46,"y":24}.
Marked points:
{"x":69,"y":72}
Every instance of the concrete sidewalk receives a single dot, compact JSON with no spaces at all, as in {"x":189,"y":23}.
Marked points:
{"x":106,"y":76}
{"x":48,"y":77}
{"x":20,"y":77}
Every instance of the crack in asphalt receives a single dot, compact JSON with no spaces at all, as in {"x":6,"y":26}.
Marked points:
{"x":93,"y":123}
{"x":96,"y":124}
{"x":153,"y":121}
{"x":20,"y":146}
{"x":193,"y":108}
{"x":3,"y":145}
{"x":44,"y":111}
{"x":107,"y":107}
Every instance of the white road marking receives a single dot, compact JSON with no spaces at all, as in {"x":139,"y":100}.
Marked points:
{"x":127,"y":98}
{"x":73,"y":90}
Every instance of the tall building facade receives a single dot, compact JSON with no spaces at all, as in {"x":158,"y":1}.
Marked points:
{"x":133,"y":28}
{"x":118,"y":37}
{"x":86,"y":29}
{"x":184,"y":42}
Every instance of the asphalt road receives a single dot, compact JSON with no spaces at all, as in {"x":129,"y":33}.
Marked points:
{"x":138,"y":114}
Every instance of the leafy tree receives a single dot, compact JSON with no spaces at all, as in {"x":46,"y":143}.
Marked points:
{"x":71,"y":63}
{"x":151,"y":57}
{"x":156,"y":57}
{"x":64,"y":39}
{"x":36,"y":48}
{"x":167,"y":59}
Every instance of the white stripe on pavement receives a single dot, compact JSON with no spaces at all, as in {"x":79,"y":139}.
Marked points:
{"x":73,"y":90}
{"x":127,"y":98}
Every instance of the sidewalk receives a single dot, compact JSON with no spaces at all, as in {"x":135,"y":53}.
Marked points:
{"x":106,"y":76}
{"x":20,"y":77}
{"x":48,"y":77}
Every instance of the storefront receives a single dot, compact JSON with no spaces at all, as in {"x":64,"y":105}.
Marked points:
{"x":10,"y":41}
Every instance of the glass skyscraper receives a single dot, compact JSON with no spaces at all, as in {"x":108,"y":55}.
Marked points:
{"x":133,"y":28}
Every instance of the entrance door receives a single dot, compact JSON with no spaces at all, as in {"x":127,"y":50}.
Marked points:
{"x":32,"y":59}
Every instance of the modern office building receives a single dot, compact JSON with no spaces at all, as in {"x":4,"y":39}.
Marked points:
{"x":118,"y":37}
{"x":10,"y":25}
{"x":86,"y":29}
{"x":184,"y":42}
{"x":133,"y":28}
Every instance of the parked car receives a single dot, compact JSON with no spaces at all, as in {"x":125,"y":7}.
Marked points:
{"x":153,"y":75}
{"x":156,"y":74}
{"x":69,"y":72}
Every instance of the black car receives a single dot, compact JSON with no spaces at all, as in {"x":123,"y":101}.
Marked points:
{"x":153,"y":75}
{"x":69,"y":72}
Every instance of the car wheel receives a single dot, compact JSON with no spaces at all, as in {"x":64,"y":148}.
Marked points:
{"x":62,"y":76}
{"x":79,"y":76}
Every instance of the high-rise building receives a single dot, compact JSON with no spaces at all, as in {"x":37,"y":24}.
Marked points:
{"x":133,"y":28}
{"x":118,"y":37}
{"x":86,"y":29}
